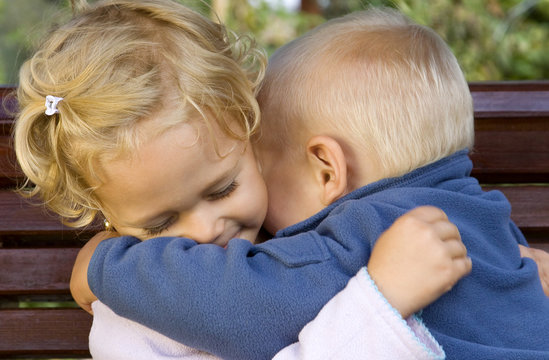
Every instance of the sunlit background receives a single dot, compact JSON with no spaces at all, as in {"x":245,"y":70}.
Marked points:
{"x":492,"y":39}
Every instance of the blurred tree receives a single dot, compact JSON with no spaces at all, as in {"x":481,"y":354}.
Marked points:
{"x":22,"y":24}
{"x":310,"y":6}
{"x":270,"y":23}
{"x":492,"y":39}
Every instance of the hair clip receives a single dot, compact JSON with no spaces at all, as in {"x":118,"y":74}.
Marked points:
{"x":51,"y":104}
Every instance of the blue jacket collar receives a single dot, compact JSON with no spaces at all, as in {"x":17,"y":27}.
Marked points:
{"x":455,"y":166}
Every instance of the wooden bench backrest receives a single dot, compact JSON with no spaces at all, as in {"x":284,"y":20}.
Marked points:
{"x":511,"y":154}
{"x":36,"y":257}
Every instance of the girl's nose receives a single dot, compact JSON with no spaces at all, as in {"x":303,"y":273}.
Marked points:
{"x":202,"y":227}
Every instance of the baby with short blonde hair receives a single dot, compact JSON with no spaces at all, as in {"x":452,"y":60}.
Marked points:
{"x":369,"y":77}
{"x":375,"y":110}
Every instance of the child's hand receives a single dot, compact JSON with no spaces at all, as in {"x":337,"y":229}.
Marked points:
{"x":419,"y":258}
{"x":542,"y":260}
{"x":80,"y":289}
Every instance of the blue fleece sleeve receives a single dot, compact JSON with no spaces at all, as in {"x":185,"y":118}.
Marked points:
{"x":243,"y":302}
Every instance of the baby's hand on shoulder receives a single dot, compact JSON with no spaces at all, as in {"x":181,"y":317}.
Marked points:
{"x":80,"y":289}
{"x":419,"y":258}
{"x":542,"y":261}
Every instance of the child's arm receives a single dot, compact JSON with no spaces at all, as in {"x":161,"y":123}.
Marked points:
{"x":419,"y":258}
{"x":359,"y":323}
{"x":113,"y":337}
{"x":80,"y":289}
{"x":416,"y":260}
{"x":430,"y":228}
{"x":214,"y":261}
{"x":542,"y":260}
{"x":243,"y":302}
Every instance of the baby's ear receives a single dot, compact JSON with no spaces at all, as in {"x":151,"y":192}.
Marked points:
{"x":328,"y":163}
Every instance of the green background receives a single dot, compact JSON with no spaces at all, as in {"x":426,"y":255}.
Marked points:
{"x":492,"y":39}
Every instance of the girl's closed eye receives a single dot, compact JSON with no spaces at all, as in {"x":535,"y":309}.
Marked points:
{"x":226,"y":192}
{"x":158,"y":229}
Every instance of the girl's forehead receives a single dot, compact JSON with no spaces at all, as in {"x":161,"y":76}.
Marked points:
{"x":172,"y":167}
{"x":205,"y":123}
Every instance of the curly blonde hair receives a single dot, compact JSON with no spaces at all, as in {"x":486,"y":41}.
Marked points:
{"x":112,"y":64}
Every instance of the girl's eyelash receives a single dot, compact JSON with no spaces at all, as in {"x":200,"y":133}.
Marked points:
{"x":226,"y":192}
{"x":223,"y":193}
{"x":157,"y":230}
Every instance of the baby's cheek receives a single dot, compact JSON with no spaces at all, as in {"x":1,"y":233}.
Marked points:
{"x":272,"y":222}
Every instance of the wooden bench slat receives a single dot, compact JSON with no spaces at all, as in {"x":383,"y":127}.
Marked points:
{"x":499,"y":86}
{"x":18,"y":215}
{"x":540,"y":245}
{"x":36,"y":271}
{"x":511,"y":131}
{"x":504,"y":155}
{"x":511,"y":150}
{"x":512,"y":128}
{"x":44,"y":332}
{"x":509,"y":104}
{"x":530,"y":211}
{"x":529,"y":205}
{"x":9,"y":172}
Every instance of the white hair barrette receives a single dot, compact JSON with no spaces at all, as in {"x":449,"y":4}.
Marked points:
{"x":51,"y":104}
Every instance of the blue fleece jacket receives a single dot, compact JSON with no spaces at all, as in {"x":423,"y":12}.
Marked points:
{"x":248,"y":302}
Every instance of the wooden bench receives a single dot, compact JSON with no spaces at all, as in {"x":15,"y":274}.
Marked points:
{"x":36,"y":252}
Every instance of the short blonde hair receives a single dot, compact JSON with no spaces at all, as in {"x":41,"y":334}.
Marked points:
{"x":113,"y":64}
{"x":390,"y":87}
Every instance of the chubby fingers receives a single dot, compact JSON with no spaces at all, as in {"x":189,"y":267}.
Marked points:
{"x":448,"y":233}
{"x":428,"y":213}
{"x":457,"y":263}
{"x":458,"y":254}
{"x":455,"y":248}
{"x":437,"y":222}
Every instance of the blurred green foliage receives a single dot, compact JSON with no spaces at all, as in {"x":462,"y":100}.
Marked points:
{"x":492,"y":39}
{"x":22,"y":24}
